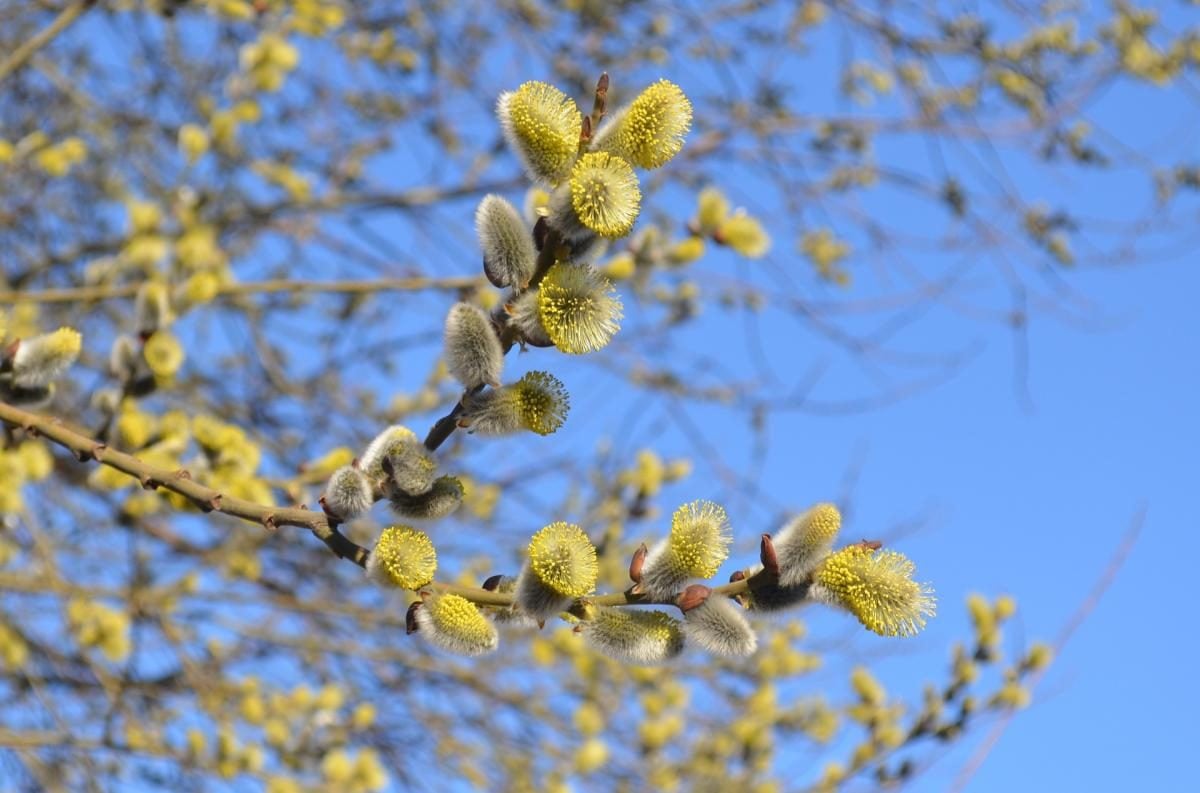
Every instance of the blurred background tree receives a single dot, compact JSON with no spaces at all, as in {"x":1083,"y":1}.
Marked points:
{"x":290,"y":187}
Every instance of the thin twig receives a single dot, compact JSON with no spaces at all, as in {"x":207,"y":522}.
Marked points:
{"x":43,"y":37}
{"x":1076,"y":619}
{"x":284,"y":285}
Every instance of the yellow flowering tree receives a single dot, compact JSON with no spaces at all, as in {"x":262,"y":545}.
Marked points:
{"x":265,"y":265}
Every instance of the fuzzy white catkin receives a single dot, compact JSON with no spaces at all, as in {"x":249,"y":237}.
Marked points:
{"x":719,"y":626}
{"x":124,"y":358}
{"x":523,"y":315}
{"x":492,"y":413}
{"x":349,"y":493}
{"x":471,"y":348}
{"x":42,"y":359}
{"x":509,"y":257}
{"x":381,"y":447}
{"x":634,"y":636}
{"x":151,"y":308}
{"x":461,"y":630}
{"x":413,"y":468}
{"x":442,"y":499}
{"x":804,"y":542}
{"x":662,"y":578}
{"x":535,"y":598}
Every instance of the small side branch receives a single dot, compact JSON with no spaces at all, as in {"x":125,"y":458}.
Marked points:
{"x":64,"y":20}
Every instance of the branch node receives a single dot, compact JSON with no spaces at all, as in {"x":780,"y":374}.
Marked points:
{"x":268,"y":522}
{"x":213,"y":503}
{"x":149,"y":482}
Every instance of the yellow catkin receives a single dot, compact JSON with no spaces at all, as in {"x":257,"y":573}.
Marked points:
{"x":578,"y":308}
{"x":651,"y":130}
{"x":877,"y":588}
{"x":605,"y":194}
{"x":405,"y":557}
{"x":542,"y":126}
{"x":564,"y":559}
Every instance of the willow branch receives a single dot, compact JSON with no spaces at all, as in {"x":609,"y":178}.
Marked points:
{"x":207,"y":499}
{"x":281,"y":285}
{"x":43,"y":37}
{"x":180,"y":481}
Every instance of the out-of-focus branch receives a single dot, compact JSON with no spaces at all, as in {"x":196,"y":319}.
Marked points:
{"x":44,"y":36}
{"x":281,"y":285}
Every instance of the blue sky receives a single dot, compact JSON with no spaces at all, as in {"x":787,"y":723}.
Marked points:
{"x":1022,"y":478}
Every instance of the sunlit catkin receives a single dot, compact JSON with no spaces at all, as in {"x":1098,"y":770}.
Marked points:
{"x":719,"y":626}
{"x":805,"y":541}
{"x":348,"y":493}
{"x":403,"y":557}
{"x":383,"y":446}
{"x":562,"y":566}
{"x":650,"y":131}
{"x":41,"y":359}
{"x":443,"y":498}
{"x":605,"y":195}
{"x":876,"y":587}
{"x":745,"y":235}
{"x":537,"y":402}
{"x":633,"y":636}
{"x":471,"y":347}
{"x":456,"y":625}
{"x":542,"y":126}
{"x":696,"y":547}
{"x":578,"y":308}
{"x":509,"y":257}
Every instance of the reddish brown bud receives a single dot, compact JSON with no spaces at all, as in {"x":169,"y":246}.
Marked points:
{"x":693,"y":596}
{"x":635,"y":564}
{"x":410,"y":618}
{"x":767,"y":556}
{"x":492,"y":583}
